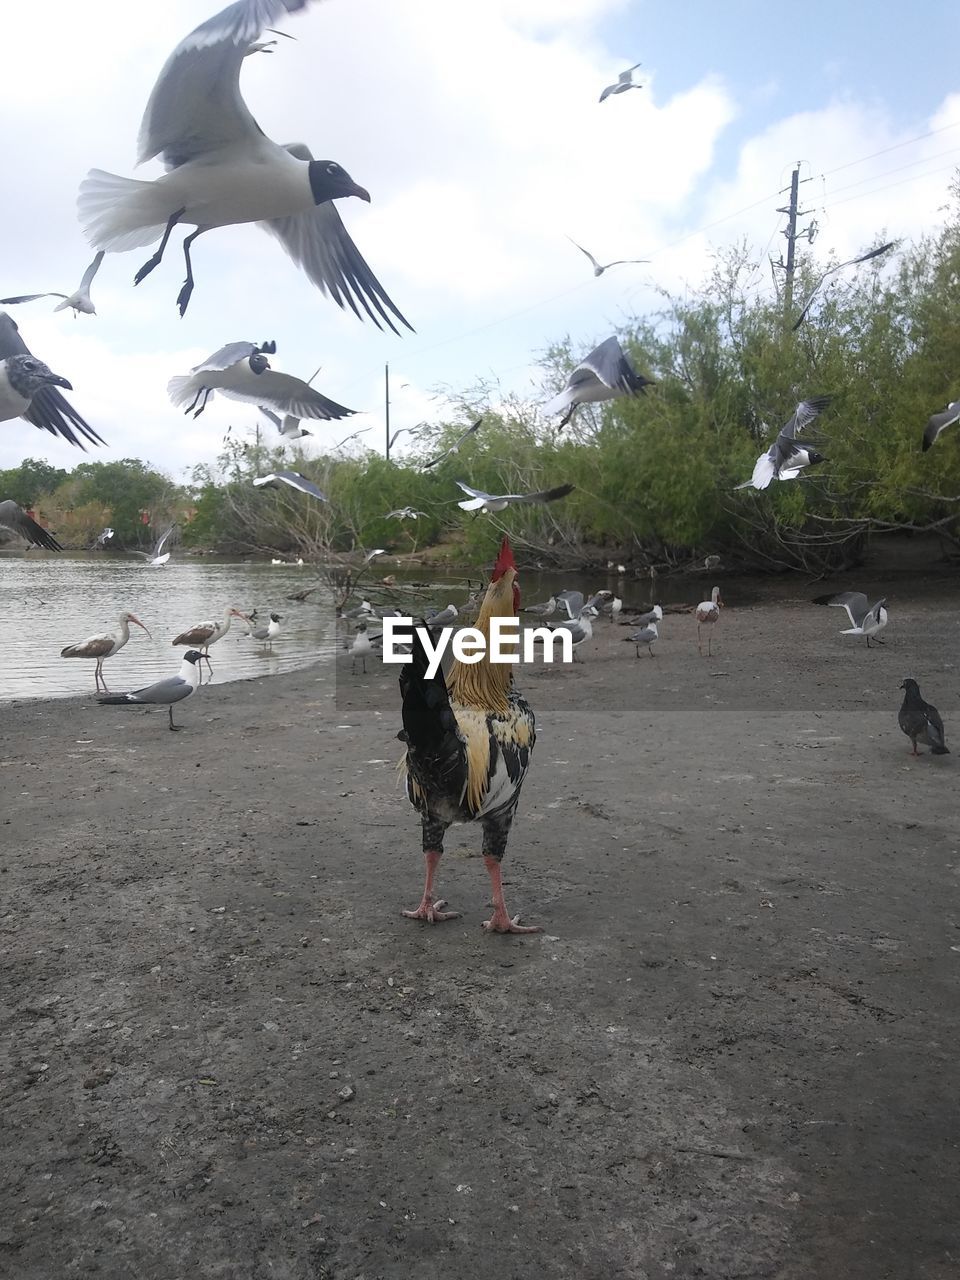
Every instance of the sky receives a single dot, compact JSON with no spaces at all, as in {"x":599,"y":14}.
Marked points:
{"x":478,"y":132}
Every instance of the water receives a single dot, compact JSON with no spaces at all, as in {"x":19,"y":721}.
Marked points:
{"x":47,"y":602}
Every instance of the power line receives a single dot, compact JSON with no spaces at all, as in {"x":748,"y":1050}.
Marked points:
{"x":894,"y":147}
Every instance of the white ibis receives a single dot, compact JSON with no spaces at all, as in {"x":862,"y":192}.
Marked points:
{"x":103,"y":646}
{"x":204,"y":634}
{"x":165,"y":692}
{"x":708,"y":614}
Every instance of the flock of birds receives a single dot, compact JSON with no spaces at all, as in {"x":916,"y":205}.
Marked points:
{"x":469,"y":736}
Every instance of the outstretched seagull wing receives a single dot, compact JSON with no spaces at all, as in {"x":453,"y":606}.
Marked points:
{"x":48,"y":410}
{"x":295,"y":480}
{"x":289,"y":395}
{"x":321,"y":246}
{"x":939,"y":422}
{"x":86,"y":280}
{"x":855,"y":603}
{"x":29,"y":297}
{"x":804,"y":414}
{"x":13,"y":516}
{"x":227,"y":357}
{"x":196,"y":105}
{"x":545,"y":495}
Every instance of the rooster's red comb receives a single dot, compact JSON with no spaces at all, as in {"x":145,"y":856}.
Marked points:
{"x":504,"y":561}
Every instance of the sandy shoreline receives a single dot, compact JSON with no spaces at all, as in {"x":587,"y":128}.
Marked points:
{"x":731,"y":1054}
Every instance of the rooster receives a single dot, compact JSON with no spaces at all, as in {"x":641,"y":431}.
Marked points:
{"x":469,"y":740}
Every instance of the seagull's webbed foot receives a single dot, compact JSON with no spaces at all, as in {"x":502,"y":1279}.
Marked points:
{"x":183,"y":297}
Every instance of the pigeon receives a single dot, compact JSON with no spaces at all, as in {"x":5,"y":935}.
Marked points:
{"x":223,"y":169}
{"x":242,"y":371}
{"x":28,"y":389}
{"x":624,"y":82}
{"x":939,"y":422}
{"x":852,"y":262}
{"x":866,"y":619}
{"x":647,"y":635}
{"x":79,"y":300}
{"x":920,"y":721}
{"x":489,"y":503}
{"x":598,"y":268}
{"x":785,"y":459}
{"x":14,"y":518}
{"x":605,"y":374}
{"x":288,"y":426}
{"x":454,"y":447}
{"x":165,"y":693}
{"x":295,"y":480}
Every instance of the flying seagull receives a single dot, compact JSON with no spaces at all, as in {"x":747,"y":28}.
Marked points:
{"x":242,"y":371}
{"x":28,"y":389}
{"x":605,"y":374}
{"x":157,"y":557}
{"x":489,"y":502}
{"x":295,"y":480}
{"x":852,"y":262}
{"x":223,"y":169}
{"x":288,"y":426}
{"x":454,"y":447}
{"x":785,"y":459}
{"x":14,"y":518}
{"x":920,"y":721}
{"x":79,"y":300}
{"x":165,"y":693}
{"x":866,"y":619}
{"x":625,"y":81}
{"x":405,"y":513}
{"x":353,"y":436}
{"x":939,"y":422}
{"x":598,"y":268}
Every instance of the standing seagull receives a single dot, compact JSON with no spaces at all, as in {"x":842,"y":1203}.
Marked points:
{"x":489,"y":502}
{"x":79,"y":300}
{"x":241,"y":371}
{"x":14,"y":518}
{"x":265,"y":635}
{"x":204,"y":634}
{"x":580,"y":628}
{"x":939,"y":422}
{"x":708,"y":615}
{"x":165,"y":693}
{"x":647,"y":635}
{"x":28,"y":389}
{"x":785,"y":459}
{"x":223,"y":169}
{"x":865,"y":619}
{"x":605,"y":374}
{"x":624,"y":82}
{"x":288,"y":426}
{"x":103,"y":646}
{"x":920,"y":721}
{"x":598,"y":268}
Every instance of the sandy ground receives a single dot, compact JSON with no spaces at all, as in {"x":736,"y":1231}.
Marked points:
{"x":732,"y":1053}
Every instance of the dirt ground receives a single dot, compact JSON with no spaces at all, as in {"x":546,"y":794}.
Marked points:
{"x":733,"y":1052}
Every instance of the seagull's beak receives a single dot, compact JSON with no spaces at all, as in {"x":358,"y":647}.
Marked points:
{"x":55,"y":379}
{"x":360,"y":192}
{"x":132,"y":618}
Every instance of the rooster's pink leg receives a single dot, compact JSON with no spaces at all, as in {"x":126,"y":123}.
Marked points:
{"x":500,"y":921}
{"x":428,"y":909}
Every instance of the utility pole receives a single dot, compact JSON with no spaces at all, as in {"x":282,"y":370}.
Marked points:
{"x":793,"y":213}
{"x":386,"y":410}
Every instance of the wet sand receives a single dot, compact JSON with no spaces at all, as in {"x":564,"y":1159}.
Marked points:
{"x":731,"y":1054}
